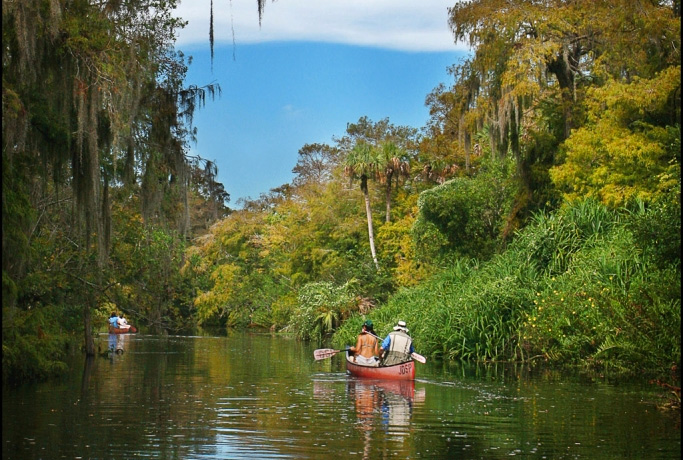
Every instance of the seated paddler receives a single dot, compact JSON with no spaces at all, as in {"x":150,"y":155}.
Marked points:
{"x":397,"y":346}
{"x":114,"y":320}
{"x":367,"y":346}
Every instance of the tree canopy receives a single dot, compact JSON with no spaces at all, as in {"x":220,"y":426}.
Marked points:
{"x":537,"y":214}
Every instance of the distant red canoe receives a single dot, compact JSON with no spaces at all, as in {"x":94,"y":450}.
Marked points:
{"x":116,"y":330}
{"x":403,"y":371}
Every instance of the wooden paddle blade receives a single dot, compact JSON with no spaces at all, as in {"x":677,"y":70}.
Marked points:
{"x":324,"y":353}
{"x":418,"y":358}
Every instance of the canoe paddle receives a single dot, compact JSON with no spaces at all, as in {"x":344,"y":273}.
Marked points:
{"x":417,"y":357}
{"x":323,"y":353}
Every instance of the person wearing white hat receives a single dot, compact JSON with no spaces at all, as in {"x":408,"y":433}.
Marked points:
{"x":397,"y":346}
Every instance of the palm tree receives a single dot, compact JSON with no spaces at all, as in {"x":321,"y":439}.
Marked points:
{"x":394,"y":161}
{"x":361,"y":163}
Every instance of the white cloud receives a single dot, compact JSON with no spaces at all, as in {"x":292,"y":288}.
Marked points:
{"x":407,"y":25}
{"x":291,"y":112}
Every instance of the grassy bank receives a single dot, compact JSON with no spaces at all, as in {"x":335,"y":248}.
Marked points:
{"x":583,"y":286}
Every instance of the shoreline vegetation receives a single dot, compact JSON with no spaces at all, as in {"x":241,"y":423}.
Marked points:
{"x":583,"y":286}
{"x":536,"y":217}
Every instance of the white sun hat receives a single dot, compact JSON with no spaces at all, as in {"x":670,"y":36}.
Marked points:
{"x":401,"y":326}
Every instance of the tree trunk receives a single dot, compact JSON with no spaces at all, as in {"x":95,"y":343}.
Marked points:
{"x":388,"y":199}
{"x":371,"y":236}
{"x":565,"y":78}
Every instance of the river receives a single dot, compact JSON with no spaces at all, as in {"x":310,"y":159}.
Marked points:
{"x":261,"y":396}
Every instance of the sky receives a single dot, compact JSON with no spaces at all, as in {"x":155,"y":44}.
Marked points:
{"x":306,"y":71}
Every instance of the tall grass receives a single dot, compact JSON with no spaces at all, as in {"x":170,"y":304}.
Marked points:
{"x":576,"y":286}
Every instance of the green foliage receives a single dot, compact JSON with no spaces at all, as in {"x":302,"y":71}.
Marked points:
{"x":470,"y":213}
{"x":235,"y":273}
{"x":551,"y":239}
{"x":17,"y":215}
{"x":320,"y":309}
{"x":596,"y":290}
{"x":398,"y":246}
{"x":145,"y":273}
{"x":576,"y":286}
{"x":657,"y":229}
{"x":610,"y":308}
{"x":35,"y":342}
{"x":626,"y":151}
{"x":95,"y":120}
{"x":282,"y":310}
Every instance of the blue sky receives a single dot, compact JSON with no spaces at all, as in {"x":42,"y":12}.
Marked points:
{"x":306,"y":73}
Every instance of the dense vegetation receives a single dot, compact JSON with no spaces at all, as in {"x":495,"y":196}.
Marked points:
{"x":536,"y":216}
{"x":97,"y":187}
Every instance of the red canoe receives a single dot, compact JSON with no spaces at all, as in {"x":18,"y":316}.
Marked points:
{"x":116,"y":330}
{"x":403,"y":371}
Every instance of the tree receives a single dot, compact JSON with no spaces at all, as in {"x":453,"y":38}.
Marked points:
{"x":361,"y":163}
{"x":630,"y":147}
{"x":233,"y":270}
{"x":452,"y":124}
{"x":393,"y":146}
{"x":203,"y":181}
{"x":93,"y":101}
{"x":529,"y":51}
{"x":315,"y":164}
{"x":394,"y":163}
{"x":469,"y":213}
{"x":530,"y":71}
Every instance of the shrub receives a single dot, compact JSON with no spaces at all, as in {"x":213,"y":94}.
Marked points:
{"x":470,"y":213}
{"x":321,"y":308}
{"x":36,"y":342}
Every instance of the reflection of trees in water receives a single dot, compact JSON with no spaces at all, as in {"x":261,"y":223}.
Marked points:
{"x":85,"y":378}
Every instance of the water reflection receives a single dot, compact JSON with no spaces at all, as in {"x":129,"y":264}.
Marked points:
{"x":116,"y":344}
{"x":87,"y":374}
{"x":383,"y":403}
{"x":367,"y":400}
{"x":255,"y":396}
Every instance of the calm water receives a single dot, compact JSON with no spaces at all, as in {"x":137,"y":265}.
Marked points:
{"x":264,"y":396}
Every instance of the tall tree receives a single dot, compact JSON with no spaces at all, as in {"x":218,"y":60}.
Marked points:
{"x":527,"y":79}
{"x":315,"y":164}
{"x":453,"y":123}
{"x":92,"y":99}
{"x":395,"y":148}
{"x":361,"y":163}
{"x":526,"y":51}
{"x":394,"y":164}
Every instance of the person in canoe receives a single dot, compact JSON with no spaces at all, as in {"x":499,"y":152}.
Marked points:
{"x":114,"y":320}
{"x":123,"y":323}
{"x":397,"y":346}
{"x":367,"y":346}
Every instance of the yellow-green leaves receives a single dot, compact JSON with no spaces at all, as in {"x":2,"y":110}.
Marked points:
{"x":625,"y":151}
